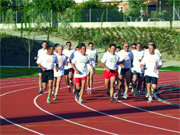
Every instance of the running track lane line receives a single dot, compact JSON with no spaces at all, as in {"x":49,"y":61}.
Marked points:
{"x":138,"y":123}
{"x":57,"y":116}
{"x":100,"y":130}
{"x":20,"y":125}
{"x":148,"y":110}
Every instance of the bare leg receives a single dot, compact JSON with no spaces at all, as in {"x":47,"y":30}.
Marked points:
{"x":58,"y":85}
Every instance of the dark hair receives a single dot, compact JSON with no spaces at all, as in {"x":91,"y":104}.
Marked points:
{"x":112,"y":45}
{"x":154,"y":46}
{"x":139,"y":43}
{"x":82,"y":45}
{"x":145,"y":47}
{"x":49,"y":46}
{"x":118,"y":47}
{"x":68,"y":42}
{"x":77,"y":47}
{"x":133,"y":44}
{"x":90,"y":43}
{"x":44,"y":42}
{"x":55,"y":45}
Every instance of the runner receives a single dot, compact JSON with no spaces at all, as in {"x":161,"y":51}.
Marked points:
{"x":55,"y":77}
{"x":79,"y":64}
{"x":137,"y":72}
{"x":41,"y":51}
{"x":110,"y":62}
{"x":151,"y":63}
{"x":68,"y":72}
{"x":127,"y":57}
{"x":62,"y":60}
{"x":93,"y":55}
{"x":46,"y":63}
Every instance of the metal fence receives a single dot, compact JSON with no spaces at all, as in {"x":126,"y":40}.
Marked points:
{"x":87,"y":15}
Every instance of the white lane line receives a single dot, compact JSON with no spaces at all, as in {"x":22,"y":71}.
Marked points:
{"x":13,"y":122}
{"x":137,"y":123}
{"x":148,"y":110}
{"x":20,"y":126}
{"x":75,"y":123}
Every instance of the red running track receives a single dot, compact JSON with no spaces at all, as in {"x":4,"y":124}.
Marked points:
{"x":23,"y":111}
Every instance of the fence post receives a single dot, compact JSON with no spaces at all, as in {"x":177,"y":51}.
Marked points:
{"x":106,"y":14}
{"x":90,"y":15}
{"x":173,"y":10}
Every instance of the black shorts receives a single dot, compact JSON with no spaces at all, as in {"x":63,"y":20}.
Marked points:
{"x":124,"y":71}
{"x":150,"y":79}
{"x":139,"y":75}
{"x":67,"y":71}
{"x":47,"y":75}
{"x":39,"y":70}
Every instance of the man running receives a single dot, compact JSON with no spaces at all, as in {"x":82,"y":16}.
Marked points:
{"x":137,"y":72}
{"x":41,"y":52}
{"x":110,"y":62}
{"x":62,"y":60}
{"x":46,"y":63}
{"x":127,"y":57}
{"x":151,"y":63}
{"x":68,"y":72}
{"x":93,"y":55}
{"x":79,"y":64}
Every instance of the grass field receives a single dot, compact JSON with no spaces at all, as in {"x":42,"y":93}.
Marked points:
{"x":32,"y":72}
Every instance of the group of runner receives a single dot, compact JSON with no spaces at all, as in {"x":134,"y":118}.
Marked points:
{"x":124,"y":68}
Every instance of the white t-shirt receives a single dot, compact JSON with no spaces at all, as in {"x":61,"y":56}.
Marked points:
{"x":150,"y":62}
{"x":47,"y":61}
{"x":73,"y":55}
{"x":62,"y":60}
{"x":110,"y":60}
{"x":127,"y":57}
{"x":41,"y":52}
{"x":81,"y":62}
{"x":92,"y":55}
{"x":156,"y":52}
{"x":68,"y":53}
{"x":138,"y":55}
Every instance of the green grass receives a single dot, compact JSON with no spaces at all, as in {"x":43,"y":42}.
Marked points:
{"x":33,"y":72}
{"x":18,"y":72}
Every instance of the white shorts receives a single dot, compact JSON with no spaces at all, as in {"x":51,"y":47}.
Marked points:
{"x":59,"y":73}
{"x":89,"y":69}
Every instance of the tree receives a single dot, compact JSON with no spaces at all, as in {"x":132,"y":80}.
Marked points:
{"x":135,"y":7}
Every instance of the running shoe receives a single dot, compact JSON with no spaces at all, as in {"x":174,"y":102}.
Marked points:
{"x":55,"y":97}
{"x":115,"y":95}
{"x":90,"y":91}
{"x":48,"y":101}
{"x":80,"y":100}
{"x":118,"y":95}
{"x":52,"y":94}
{"x":111,"y":100}
{"x":125,"y":96}
{"x":40,"y":92}
{"x":150,"y":99}
{"x":147,"y":95}
{"x":77,"y":95}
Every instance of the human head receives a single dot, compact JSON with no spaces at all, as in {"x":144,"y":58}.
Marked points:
{"x":126,"y":46}
{"x":50,"y":49}
{"x":133,"y":46}
{"x":68,"y":45}
{"x":44,"y":44}
{"x":112,"y":48}
{"x":90,"y":45}
{"x":82,"y":48}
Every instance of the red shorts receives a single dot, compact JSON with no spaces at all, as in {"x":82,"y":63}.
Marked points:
{"x":78,"y":80}
{"x":112,"y":73}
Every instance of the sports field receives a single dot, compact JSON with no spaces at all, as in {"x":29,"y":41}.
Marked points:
{"x":23,"y":111}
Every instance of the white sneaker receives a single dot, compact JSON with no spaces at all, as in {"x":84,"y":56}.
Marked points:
{"x":150,"y":99}
{"x":147,"y":95}
{"x":125,"y":96}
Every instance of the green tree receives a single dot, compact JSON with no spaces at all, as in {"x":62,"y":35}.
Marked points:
{"x":134,"y":8}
